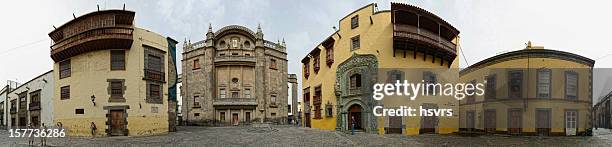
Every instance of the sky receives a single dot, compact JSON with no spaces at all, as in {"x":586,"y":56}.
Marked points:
{"x":487,"y":27}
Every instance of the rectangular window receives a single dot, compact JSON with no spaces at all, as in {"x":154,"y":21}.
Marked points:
{"x":471,"y":98}
{"x":272,"y":64}
{"x":544,"y":79}
{"x":273,"y":99}
{"x":306,"y":70}
{"x":317,"y":63}
{"x":354,"y":21}
{"x":154,"y":63}
{"x":234,"y":43}
{"x":247,"y":93}
{"x":288,"y":108}
{"x":430,"y":80}
{"x":79,"y":111}
{"x":116,"y":89}
{"x":329,"y":55}
{"x":571,"y":85}
{"x":490,"y":92}
{"x":154,"y":91}
{"x":355,"y":43}
{"x":516,"y":84}
{"x":235,"y":94}
{"x":355,"y":81}
{"x":222,"y":93}
{"x":196,"y":101}
{"x":65,"y":92}
{"x":222,"y":116}
{"x":65,"y":69}
{"x":34,"y":97}
{"x":196,"y":114}
{"x":196,"y":64}
{"x":329,"y":110}
{"x":117,"y":59}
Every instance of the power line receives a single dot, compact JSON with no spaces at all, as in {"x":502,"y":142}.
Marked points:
{"x":21,"y":46}
{"x":463,"y":54}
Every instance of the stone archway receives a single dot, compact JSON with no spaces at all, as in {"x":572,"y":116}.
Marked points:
{"x":354,"y":80}
{"x":354,"y":115}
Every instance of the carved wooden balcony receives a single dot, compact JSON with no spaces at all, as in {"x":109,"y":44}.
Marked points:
{"x":100,"y":30}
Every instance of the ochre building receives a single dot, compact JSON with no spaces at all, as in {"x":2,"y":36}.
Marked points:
{"x":533,"y":91}
{"x":113,"y":74}
{"x":372,"y":46}
{"x":233,"y":77}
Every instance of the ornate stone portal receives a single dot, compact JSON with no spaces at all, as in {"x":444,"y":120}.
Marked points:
{"x":354,"y":78}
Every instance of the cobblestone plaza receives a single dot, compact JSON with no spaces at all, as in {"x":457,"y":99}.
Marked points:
{"x":293,"y":136}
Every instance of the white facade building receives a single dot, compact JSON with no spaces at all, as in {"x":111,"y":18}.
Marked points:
{"x":31,"y":102}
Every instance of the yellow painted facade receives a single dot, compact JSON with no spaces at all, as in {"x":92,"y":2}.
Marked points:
{"x":89,"y":74}
{"x":529,"y":62}
{"x":376,"y":38}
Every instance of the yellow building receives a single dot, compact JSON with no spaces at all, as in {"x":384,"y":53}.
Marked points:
{"x":534,"y":91}
{"x":370,"y":46}
{"x":112,"y":74}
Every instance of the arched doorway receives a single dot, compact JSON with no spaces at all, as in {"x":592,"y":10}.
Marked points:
{"x":354,"y":116}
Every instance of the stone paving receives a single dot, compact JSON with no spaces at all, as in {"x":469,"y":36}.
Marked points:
{"x":284,"y":136}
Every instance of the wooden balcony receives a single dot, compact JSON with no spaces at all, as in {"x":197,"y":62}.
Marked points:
{"x":408,"y":32}
{"x":100,"y":30}
{"x":154,"y":75}
{"x":34,"y":106}
{"x":93,"y":40}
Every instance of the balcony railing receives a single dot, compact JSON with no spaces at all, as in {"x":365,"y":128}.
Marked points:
{"x":412,"y":32}
{"x":13,"y":110}
{"x":154,"y":75}
{"x":234,"y":101}
{"x":95,"y":39}
{"x":34,"y":106}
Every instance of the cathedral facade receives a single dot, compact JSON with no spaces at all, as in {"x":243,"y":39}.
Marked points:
{"x":233,"y":77}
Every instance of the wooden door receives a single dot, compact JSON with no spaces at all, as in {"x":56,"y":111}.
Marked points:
{"x":117,"y":122}
{"x":429,"y":123}
{"x":490,"y":121}
{"x":514,"y":121}
{"x":307,"y":120}
{"x":247,"y":117}
{"x":235,"y":119}
{"x":395,"y":125}
{"x":543,"y":122}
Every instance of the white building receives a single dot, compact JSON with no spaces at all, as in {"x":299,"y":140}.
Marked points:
{"x":31,"y":102}
{"x":4,"y":105}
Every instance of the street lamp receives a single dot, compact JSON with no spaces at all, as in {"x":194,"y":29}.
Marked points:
{"x":93,"y":99}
